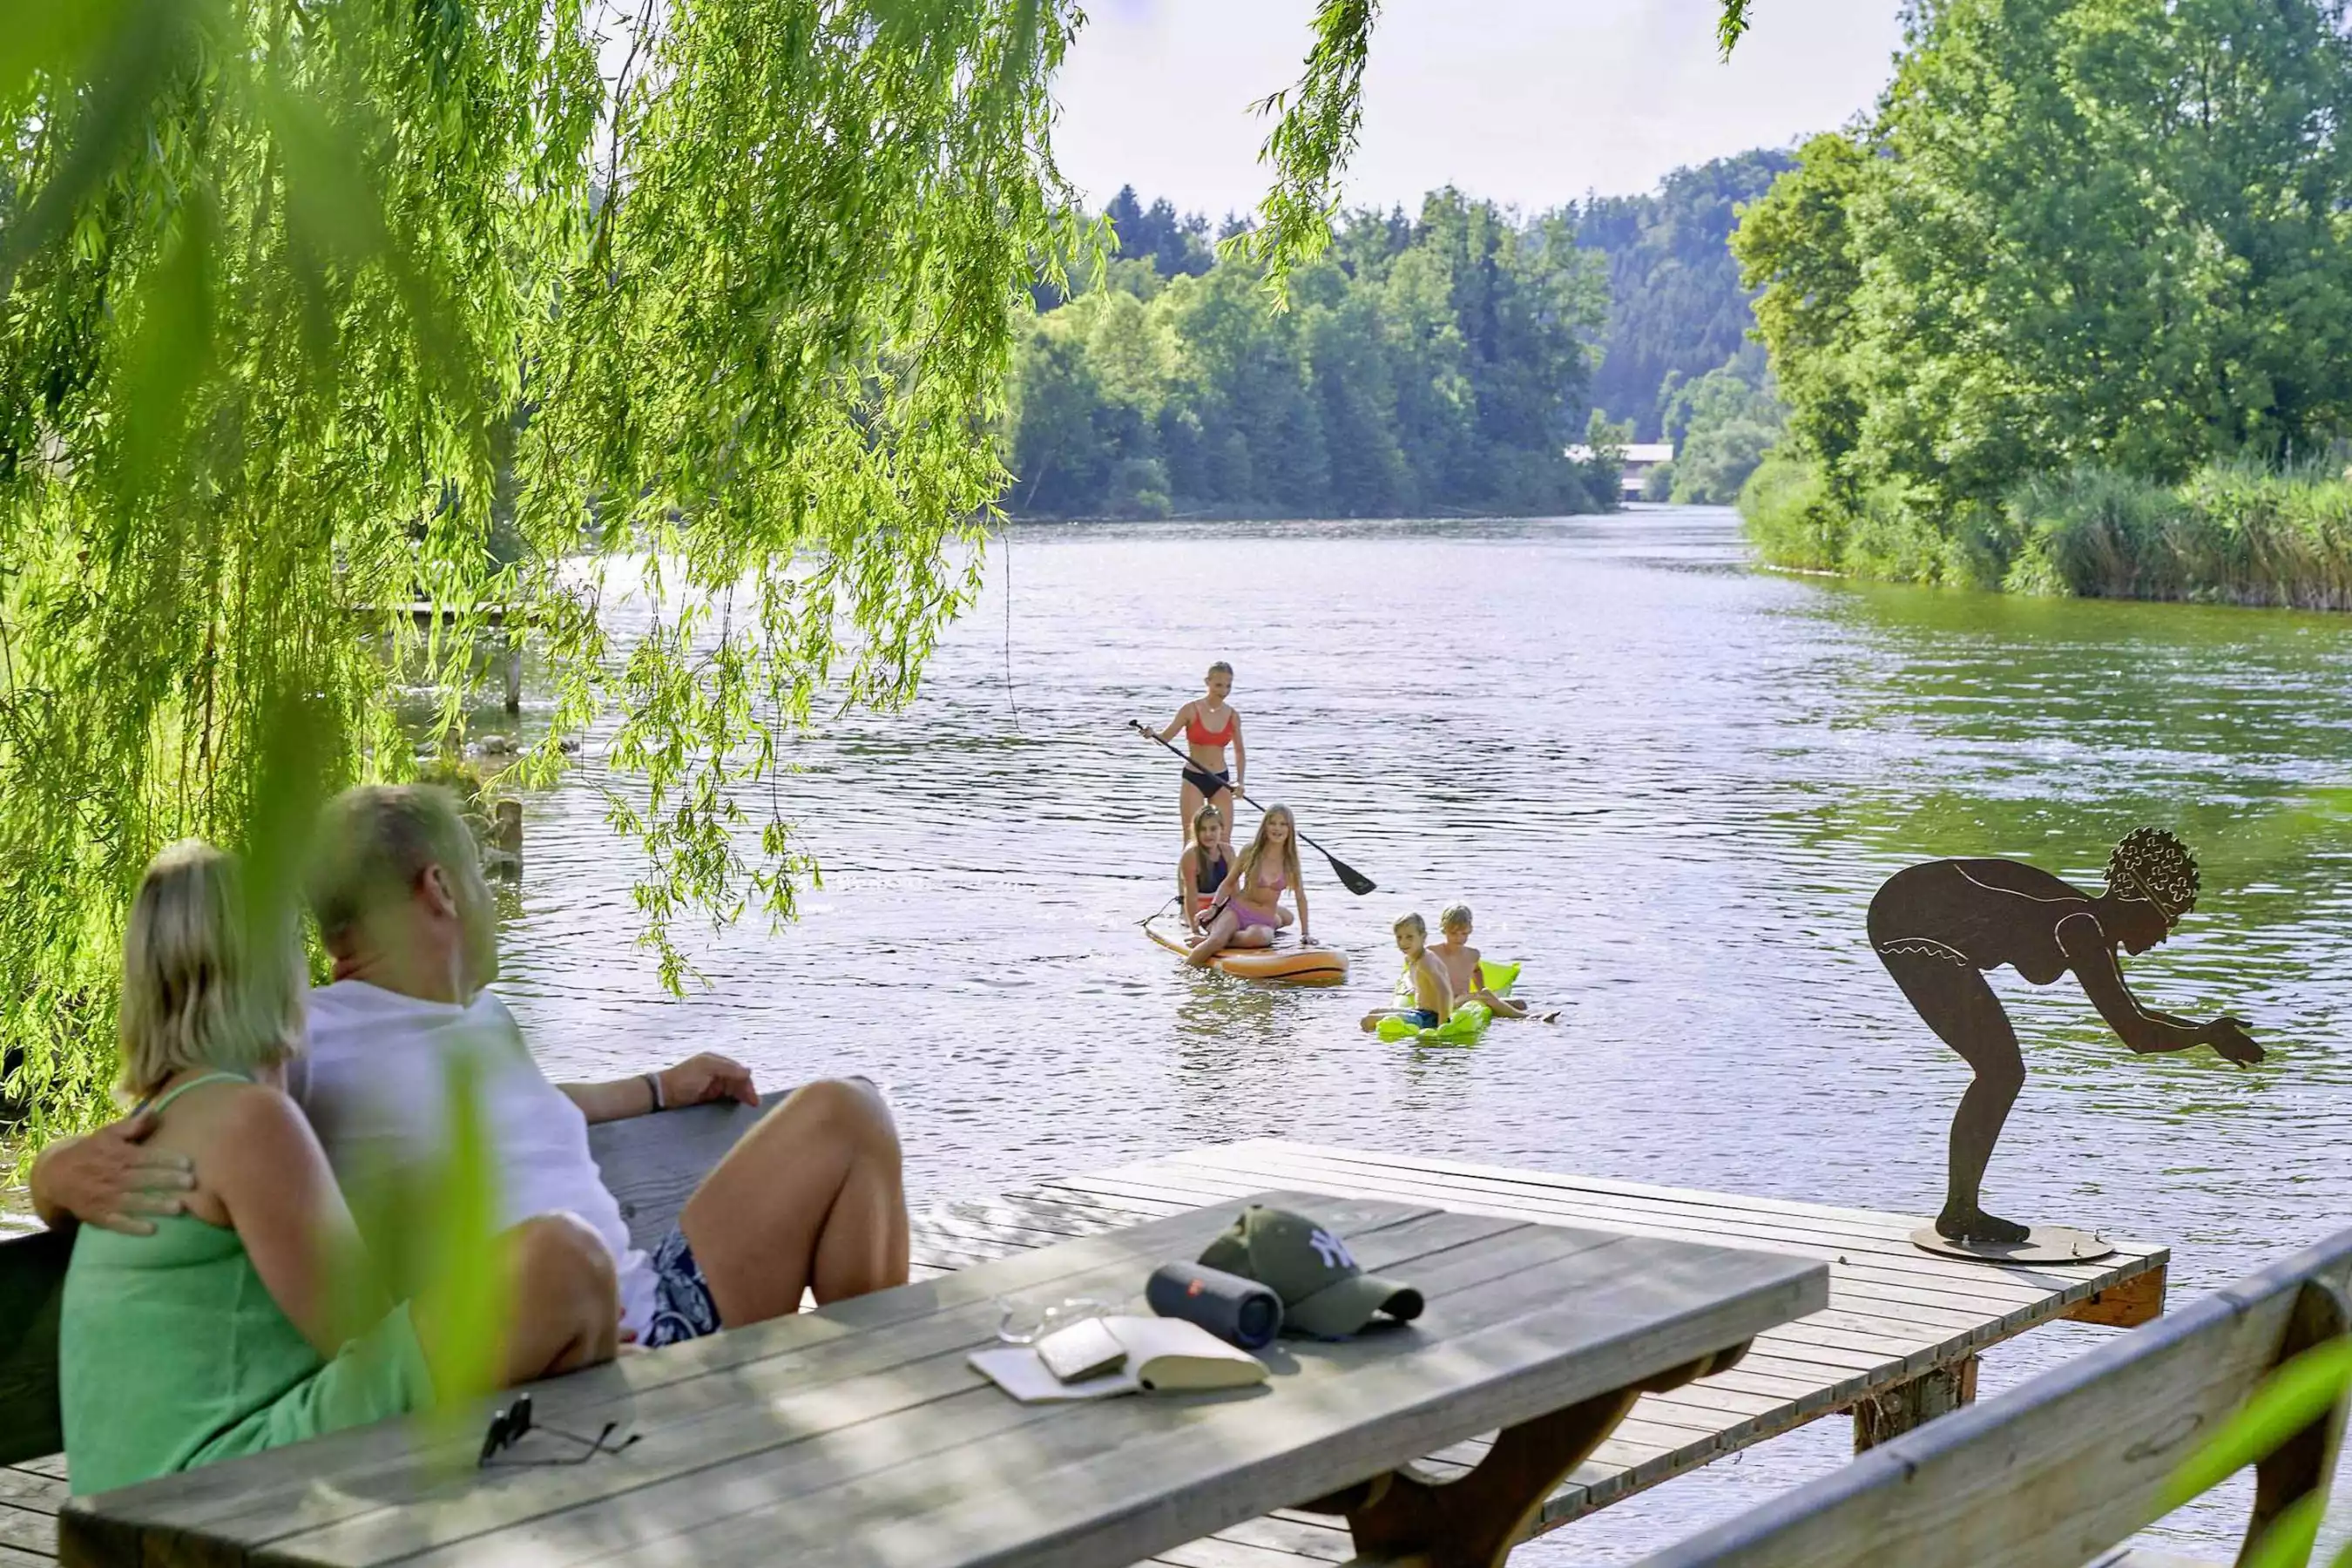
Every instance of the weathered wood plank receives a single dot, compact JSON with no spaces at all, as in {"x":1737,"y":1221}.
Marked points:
{"x":1114,"y":1473}
{"x":2056,"y":1471}
{"x":2139,"y":1299}
{"x":1503,"y":1346}
{"x":26,"y":1530}
{"x":755,"y":1454}
{"x":31,"y":1489}
{"x":1883,"y":1249}
{"x":652,"y":1163}
{"x":1886,"y":1263}
{"x":714,"y":1391}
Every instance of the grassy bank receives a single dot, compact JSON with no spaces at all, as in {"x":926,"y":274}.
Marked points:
{"x":2229,"y":535}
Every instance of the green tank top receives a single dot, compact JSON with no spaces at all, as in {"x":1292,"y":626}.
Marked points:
{"x":171,"y":1353}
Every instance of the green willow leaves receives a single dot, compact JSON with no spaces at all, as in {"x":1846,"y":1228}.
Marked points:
{"x":316,"y":311}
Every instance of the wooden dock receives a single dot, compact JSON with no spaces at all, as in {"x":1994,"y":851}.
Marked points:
{"x":1896,"y":1345}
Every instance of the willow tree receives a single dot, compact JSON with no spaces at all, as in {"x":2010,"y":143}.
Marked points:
{"x":299,"y":297}
{"x":283,"y":281}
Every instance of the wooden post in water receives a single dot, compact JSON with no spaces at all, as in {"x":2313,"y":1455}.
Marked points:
{"x":1937,"y":1392}
{"x":514,"y":671}
{"x":508,"y":835}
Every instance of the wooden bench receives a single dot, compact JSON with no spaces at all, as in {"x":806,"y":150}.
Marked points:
{"x":653,"y":1164}
{"x":2059,"y":1471}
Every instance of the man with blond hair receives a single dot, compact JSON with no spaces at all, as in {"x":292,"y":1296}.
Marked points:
{"x":809,"y":1198}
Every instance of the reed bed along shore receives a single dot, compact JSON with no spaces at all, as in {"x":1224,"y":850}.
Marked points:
{"x":2233,"y":534}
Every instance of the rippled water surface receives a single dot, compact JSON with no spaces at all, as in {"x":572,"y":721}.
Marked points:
{"x":1666,"y":782}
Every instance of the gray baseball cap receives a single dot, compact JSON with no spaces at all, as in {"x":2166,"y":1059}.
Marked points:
{"x":1324,"y":1292}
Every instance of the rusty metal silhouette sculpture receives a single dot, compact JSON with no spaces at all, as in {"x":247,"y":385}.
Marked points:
{"x":1938,"y":926}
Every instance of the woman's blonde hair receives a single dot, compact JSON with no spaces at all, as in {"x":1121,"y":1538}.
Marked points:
{"x":1247,"y":866}
{"x":196,"y":993}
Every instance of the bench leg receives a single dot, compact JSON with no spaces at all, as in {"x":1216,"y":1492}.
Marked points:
{"x":1881,"y":1416}
{"x":2301,"y":1466}
{"x":1474,"y":1521}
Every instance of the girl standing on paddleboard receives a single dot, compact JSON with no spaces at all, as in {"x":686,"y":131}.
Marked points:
{"x":1248,"y":909}
{"x":1210,"y":725}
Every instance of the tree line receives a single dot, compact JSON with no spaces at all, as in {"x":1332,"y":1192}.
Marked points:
{"x":2085,"y":258}
{"x":1431,"y":363}
{"x":1438,"y":362}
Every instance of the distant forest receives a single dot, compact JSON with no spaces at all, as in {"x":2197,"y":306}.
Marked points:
{"x":1675,"y":307}
{"x":1436,"y":363}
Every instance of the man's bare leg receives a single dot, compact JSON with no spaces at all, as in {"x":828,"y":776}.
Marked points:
{"x":563,"y":1306}
{"x":811,"y":1197}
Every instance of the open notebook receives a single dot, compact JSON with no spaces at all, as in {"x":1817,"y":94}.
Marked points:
{"x":1164,"y":1355}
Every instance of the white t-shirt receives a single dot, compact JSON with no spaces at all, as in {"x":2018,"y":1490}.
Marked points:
{"x":376,"y":1088}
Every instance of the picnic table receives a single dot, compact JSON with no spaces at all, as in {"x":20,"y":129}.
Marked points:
{"x":859,"y":1435}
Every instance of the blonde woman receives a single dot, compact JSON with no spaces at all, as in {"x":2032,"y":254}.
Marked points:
{"x":1248,"y":911}
{"x":230,"y":1327}
{"x":1210,"y":724}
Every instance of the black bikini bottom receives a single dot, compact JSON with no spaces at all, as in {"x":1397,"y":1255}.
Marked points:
{"x":1210,"y":784}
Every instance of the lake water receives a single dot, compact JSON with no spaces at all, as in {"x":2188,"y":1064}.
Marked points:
{"x":1667,"y":782}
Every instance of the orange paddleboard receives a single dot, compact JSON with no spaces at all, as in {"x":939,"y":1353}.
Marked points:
{"x":1288,"y":966}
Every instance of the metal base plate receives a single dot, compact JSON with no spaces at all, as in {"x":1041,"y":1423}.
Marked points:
{"x":2042,"y":1244}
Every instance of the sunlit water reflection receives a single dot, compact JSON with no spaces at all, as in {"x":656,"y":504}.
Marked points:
{"x":1667,"y":782}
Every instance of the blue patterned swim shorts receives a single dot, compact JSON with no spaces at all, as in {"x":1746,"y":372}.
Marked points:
{"x":683,"y":1309}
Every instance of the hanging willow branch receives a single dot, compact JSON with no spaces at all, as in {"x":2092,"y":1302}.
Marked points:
{"x":299,"y":300}
{"x":1316,"y":124}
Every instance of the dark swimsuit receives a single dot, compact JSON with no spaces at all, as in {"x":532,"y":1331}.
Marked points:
{"x":1210,"y":784}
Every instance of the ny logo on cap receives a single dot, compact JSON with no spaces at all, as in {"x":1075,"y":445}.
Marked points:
{"x":1331,"y":1249}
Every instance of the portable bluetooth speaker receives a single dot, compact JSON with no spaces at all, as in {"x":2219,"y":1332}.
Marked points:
{"x":1239,"y":1311}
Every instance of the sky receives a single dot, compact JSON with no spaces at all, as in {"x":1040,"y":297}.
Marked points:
{"x":1526,"y":102}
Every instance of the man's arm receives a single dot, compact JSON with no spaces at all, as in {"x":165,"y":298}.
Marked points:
{"x":694,"y":1082}
{"x":110,"y":1179}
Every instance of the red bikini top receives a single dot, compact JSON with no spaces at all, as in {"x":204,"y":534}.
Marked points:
{"x":1201,"y":735}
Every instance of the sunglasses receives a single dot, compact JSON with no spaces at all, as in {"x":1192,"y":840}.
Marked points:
{"x":509,"y":1426}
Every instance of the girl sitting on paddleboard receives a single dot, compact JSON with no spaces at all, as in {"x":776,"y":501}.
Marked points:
{"x":1210,"y":725}
{"x":1200,"y":869}
{"x":1248,"y":908}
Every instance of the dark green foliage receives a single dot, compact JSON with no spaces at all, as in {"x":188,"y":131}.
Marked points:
{"x":1176,"y":246}
{"x":1721,"y":425}
{"x":2079,"y":235}
{"x":1431,"y":363}
{"x":1677,"y":307}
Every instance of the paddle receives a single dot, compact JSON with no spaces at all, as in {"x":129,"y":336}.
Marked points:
{"x":1355,"y":881}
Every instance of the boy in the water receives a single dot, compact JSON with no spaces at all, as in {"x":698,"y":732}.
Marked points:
{"x":1462,"y":969}
{"x":1433,"y":995}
